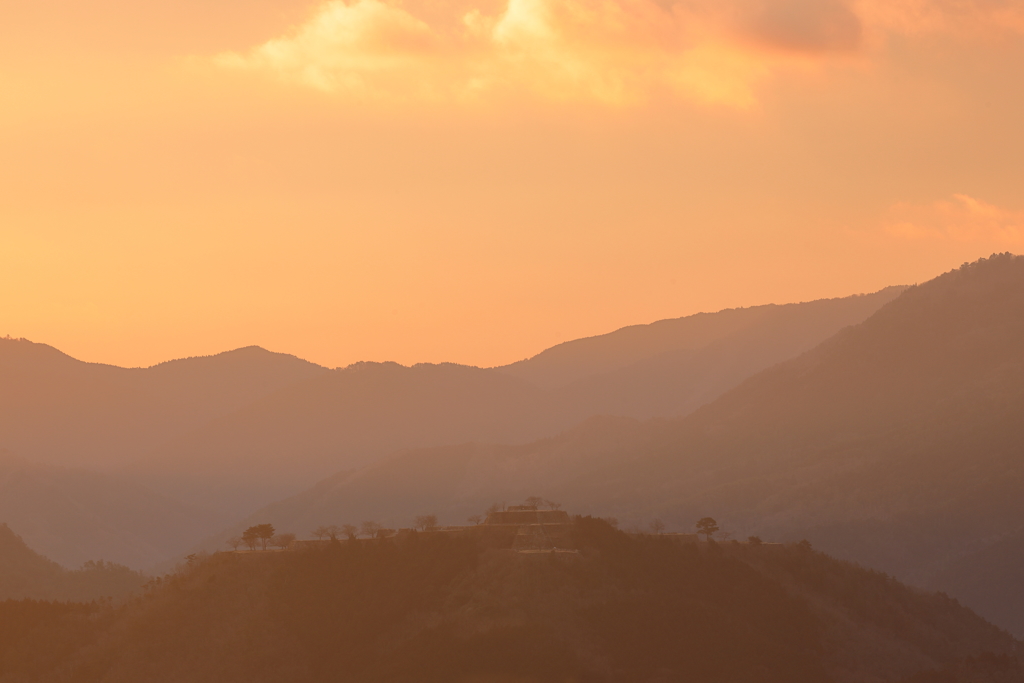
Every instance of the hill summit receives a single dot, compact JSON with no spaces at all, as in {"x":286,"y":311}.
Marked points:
{"x":442,"y":607}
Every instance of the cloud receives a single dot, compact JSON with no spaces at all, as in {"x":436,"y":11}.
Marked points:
{"x":612,"y":51}
{"x":959,"y":219}
{"x":344,"y":47}
{"x":960,"y":17}
{"x":806,"y":25}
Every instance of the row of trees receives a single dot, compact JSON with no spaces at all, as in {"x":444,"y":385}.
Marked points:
{"x":261,"y":536}
{"x":368,"y":529}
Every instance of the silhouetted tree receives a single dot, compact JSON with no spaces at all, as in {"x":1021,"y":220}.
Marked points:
{"x":424,"y":522}
{"x":754,"y":540}
{"x":261,"y":533}
{"x":552,"y":504}
{"x":321,"y":531}
{"x":282,"y":540}
{"x":476,"y":519}
{"x":370,"y":529}
{"x":496,"y":507}
{"x":250,"y":538}
{"x":234,"y":542}
{"x":535,"y":501}
{"x":350,"y":531}
{"x":657,"y":526}
{"x":707,"y":526}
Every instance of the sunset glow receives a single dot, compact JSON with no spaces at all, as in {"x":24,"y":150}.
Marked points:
{"x":452,"y":180}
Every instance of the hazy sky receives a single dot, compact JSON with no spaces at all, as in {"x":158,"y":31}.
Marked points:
{"x":431,"y":180}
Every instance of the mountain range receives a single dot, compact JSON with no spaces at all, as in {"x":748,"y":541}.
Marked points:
{"x":201,"y":442}
{"x":885,"y":429}
{"x":897,"y":443}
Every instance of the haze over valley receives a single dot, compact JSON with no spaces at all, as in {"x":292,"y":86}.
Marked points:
{"x":881,"y":429}
{"x":512,"y":341}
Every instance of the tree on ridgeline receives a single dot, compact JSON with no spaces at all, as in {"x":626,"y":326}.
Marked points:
{"x":370,"y":529}
{"x":657,"y":526}
{"x":475,"y":519}
{"x":282,"y":541}
{"x":321,"y":531}
{"x":250,"y":538}
{"x":350,"y":531}
{"x":707,"y":526}
{"x":235,"y":542}
{"x":260,"y":533}
{"x":425,"y":522}
{"x":553,"y":505}
{"x":534,"y":501}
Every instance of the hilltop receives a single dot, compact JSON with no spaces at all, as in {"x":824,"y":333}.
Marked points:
{"x":438,"y":607}
{"x":896,"y":443}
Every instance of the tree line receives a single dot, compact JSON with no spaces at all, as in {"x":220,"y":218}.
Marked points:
{"x":261,"y":536}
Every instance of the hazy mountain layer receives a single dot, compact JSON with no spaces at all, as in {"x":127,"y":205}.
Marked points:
{"x":432,"y":607}
{"x":74,"y":515}
{"x":898,"y":443}
{"x":784,"y":330}
{"x":228,"y":433}
{"x":59,"y":410}
{"x":27,"y":574}
{"x":350,"y":417}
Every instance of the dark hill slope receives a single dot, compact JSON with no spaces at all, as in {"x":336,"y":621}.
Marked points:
{"x":900,"y":440}
{"x":899,"y":443}
{"x":27,"y":574}
{"x":56,"y":409}
{"x":436,"y":608}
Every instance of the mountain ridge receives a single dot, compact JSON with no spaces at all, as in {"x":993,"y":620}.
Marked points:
{"x":895,"y":443}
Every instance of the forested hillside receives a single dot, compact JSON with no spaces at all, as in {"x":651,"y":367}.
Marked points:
{"x":438,"y":608}
{"x":27,"y":574}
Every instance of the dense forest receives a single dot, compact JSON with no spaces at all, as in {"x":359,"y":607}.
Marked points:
{"x":439,"y":607}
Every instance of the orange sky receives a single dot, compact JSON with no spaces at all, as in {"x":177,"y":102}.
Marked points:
{"x":434,"y":180}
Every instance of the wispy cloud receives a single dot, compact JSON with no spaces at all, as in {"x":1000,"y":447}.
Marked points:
{"x":959,"y":219}
{"x":614,"y":51}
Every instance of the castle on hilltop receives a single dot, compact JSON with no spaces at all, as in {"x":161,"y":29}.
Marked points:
{"x":537,"y":530}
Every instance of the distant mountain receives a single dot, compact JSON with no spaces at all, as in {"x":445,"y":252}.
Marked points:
{"x":353,"y":416}
{"x":787,"y":330}
{"x":433,"y":607}
{"x":225,"y":434}
{"x":74,"y":515}
{"x":898,"y":443}
{"x":59,"y":410}
{"x":27,"y":574}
